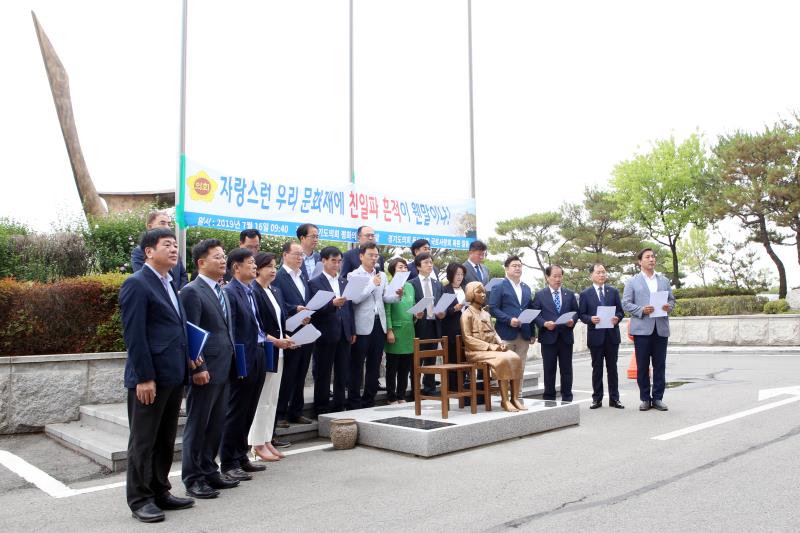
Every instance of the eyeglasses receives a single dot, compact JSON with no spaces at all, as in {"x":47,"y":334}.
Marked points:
{"x":313,"y":237}
{"x":295,"y":254}
{"x":368,"y":235}
{"x":219,"y":257}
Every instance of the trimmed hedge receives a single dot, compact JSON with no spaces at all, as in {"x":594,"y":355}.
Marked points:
{"x":719,"y":305}
{"x":73,"y":315}
{"x":708,"y":292}
{"x":776,"y":307}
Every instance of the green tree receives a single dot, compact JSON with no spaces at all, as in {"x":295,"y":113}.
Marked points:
{"x":747,"y":168}
{"x":786,"y":189}
{"x":734,"y":263}
{"x":534,"y":238}
{"x":697,"y":253}
{"x":660,"y":191}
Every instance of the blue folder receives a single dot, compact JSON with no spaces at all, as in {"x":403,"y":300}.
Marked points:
{"x":241,"y":361}
{"x":271,"y":357}
{"x":197,"y":338}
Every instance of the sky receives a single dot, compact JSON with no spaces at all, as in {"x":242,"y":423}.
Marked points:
{"x":562,"y":92}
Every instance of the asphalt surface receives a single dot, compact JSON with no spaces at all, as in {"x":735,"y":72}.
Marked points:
{"x":607,"y":474}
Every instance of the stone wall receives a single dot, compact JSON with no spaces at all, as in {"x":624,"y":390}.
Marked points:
{"x":42,"y":389}
{"x":737,"y":330}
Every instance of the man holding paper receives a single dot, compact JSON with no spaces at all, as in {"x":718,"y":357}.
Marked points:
{"x":649,"y":327}
{"x":600,"y":309}
{"x":427,"y":324}
{"x":335,"y":321}
{"x":558,"y":308}
{"x":506,"y":303}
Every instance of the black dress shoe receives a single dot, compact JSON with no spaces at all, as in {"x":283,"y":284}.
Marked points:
{"x":247,"y":466}
{"x":616,"y":404}
{"x":283,"y":424}
{"x":644,"y":406}
{"x":659,"y":405}
{"x":596,"y":405}
{"x":149,"y":512}
{"x":238,"y":474}
{"x":301,"y":420}
{"x":201,"y":489}
{"x":281,"y":443}
{"x":218,"y":481}
{"x":168,"y":502}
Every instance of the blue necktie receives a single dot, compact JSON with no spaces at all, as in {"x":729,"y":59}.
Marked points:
{"x":557,"y":301}
{"x":479,"y":273}
{"x":601,"y":296}
{"x":221,"y":301}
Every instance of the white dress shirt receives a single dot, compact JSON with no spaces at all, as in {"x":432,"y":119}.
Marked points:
{"x":166,"y":282}
{"x":297,"y":279}
{"x":652,"y":282}
{"x":460,"y":296}
{"x":517,"y":289}
{"x":334,"y":284}
{"x":274,"y":302}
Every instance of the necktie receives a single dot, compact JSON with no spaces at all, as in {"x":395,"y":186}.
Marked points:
{"x":254,"y":309}
{"x":601,"y":295}
{"x":557,"y":301}
{"x":171,"y":295}
{"x":478,"y":273}
{"x":427,"y":293}
{"x":221,"y":299}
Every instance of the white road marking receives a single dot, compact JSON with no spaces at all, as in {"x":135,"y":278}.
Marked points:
{"x":56,"y":489}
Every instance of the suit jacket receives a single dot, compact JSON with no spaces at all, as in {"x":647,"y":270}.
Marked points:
{"x":370,"y":302}
{"x":245,"y":325}
{"x":333,"y":322}
{"x":636,"y":295}
{"x":269,"y":320}
{"x":424,"y":327}
{"x":504,"y":305}
{"x":472,"y":276}
{"x":291,"y":296}
{"x":587,"y":308}
{"x":413,"y":273}
{"x":451,"y":323}
{"x":303,"y":272}
{"x":155,"y":335}
{"x":543,"y":300}
{"x":203,"y":309}
{"x":351,"y":261}
{"x":179,"y":276}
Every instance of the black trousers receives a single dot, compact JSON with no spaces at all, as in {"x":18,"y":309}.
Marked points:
{"x":151,"y":444}
{"x":651,"y":347}
{"x":293,"y":381}
{"x":397,"y":369}
{"x":426,"y":329}
{"x":243,"y":399}
{"x":557,"y":356}
{"x":365,"y":358}
{"x":331,"y":357}
{"x":205,"y":420}
{"x":608,"y":352}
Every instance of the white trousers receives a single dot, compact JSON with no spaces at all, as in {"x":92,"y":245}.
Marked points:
{"x":264,"y":421}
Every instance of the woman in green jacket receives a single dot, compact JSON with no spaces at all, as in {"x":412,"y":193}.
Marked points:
{"x":399,"y":346}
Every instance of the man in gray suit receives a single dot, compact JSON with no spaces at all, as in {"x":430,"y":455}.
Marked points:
{"x":476,"y":271}
{"x":649,"y":333}
{"x":207,"y":307}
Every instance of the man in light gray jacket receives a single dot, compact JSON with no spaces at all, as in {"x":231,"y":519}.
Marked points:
{"x":650,"y":333}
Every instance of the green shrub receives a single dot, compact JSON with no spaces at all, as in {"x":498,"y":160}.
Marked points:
{"x":111,"y":239}
{"x":776,"y":307}
{"x":719,"y":306}
{"x":707,"y":292}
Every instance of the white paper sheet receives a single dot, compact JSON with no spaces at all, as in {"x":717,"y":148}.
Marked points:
{"x":293,"y":322}
{"x":397,"y":282}
{"x":528,"y":315}
{"x":355,"y":286}
{"x":443,"y":303}
{"x":566,"y":317}
{"x":493,"y":283}
{"x":317,"y":270}
{"x":421,"y":305}
{"x":306,"y":335}
{"x":606,"y":313}
{"x":658,"y":300}
{"x":320,"y":299}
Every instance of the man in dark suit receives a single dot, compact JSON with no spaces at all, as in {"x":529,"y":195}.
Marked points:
{"x":351,"y":259}
{"x":245,"y":390}
{"x":335,"y":322}
{"x":308,"y":235}
{"x":249,"y":239}
{"x":207,"y":307}
{"x":506,"y":302}
{"x":556,"y":340}
{"x":296,"y":295}
{"x":159,"y":219}
{"x":603,"y":343}
{"x":420,"y":246}
{"x":427,"y":325}
{"x":476,"y":270}
{"x":154,"y":329}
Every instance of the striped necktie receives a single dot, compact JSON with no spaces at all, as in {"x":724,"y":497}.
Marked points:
{"x":221,"y":299}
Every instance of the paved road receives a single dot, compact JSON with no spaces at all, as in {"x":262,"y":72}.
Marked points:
{"x":608,"y":474}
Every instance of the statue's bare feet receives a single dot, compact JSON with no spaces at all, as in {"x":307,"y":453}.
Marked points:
{"x":519,"y":404}
{"x":508,"y":406}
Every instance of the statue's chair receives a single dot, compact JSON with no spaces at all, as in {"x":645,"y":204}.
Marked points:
{"x":461,"y":370}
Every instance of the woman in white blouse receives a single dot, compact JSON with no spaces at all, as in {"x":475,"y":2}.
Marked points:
{"x":451,"y":323}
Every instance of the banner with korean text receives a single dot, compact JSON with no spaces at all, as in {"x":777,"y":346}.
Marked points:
{"x":235,"y":202}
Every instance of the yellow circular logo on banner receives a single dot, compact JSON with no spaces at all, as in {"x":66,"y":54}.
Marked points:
{"x":202,"y":187}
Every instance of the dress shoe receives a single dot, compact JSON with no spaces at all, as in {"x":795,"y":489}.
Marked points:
{"x":661,"y":406}
{"x":218,"y":481}
{"x":301,"y":420}
{"x":201,"y":489}
{"x":283,"y":424}
{"x":238,"y":474}
{"x":149,"y":512}
{"x":281,"y":443}
{"x":168,"y":502}
{"x":644,"y":406}
{"x":247,"y":466}
{"x":596,"y":405}
{"x":616,"y":404}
